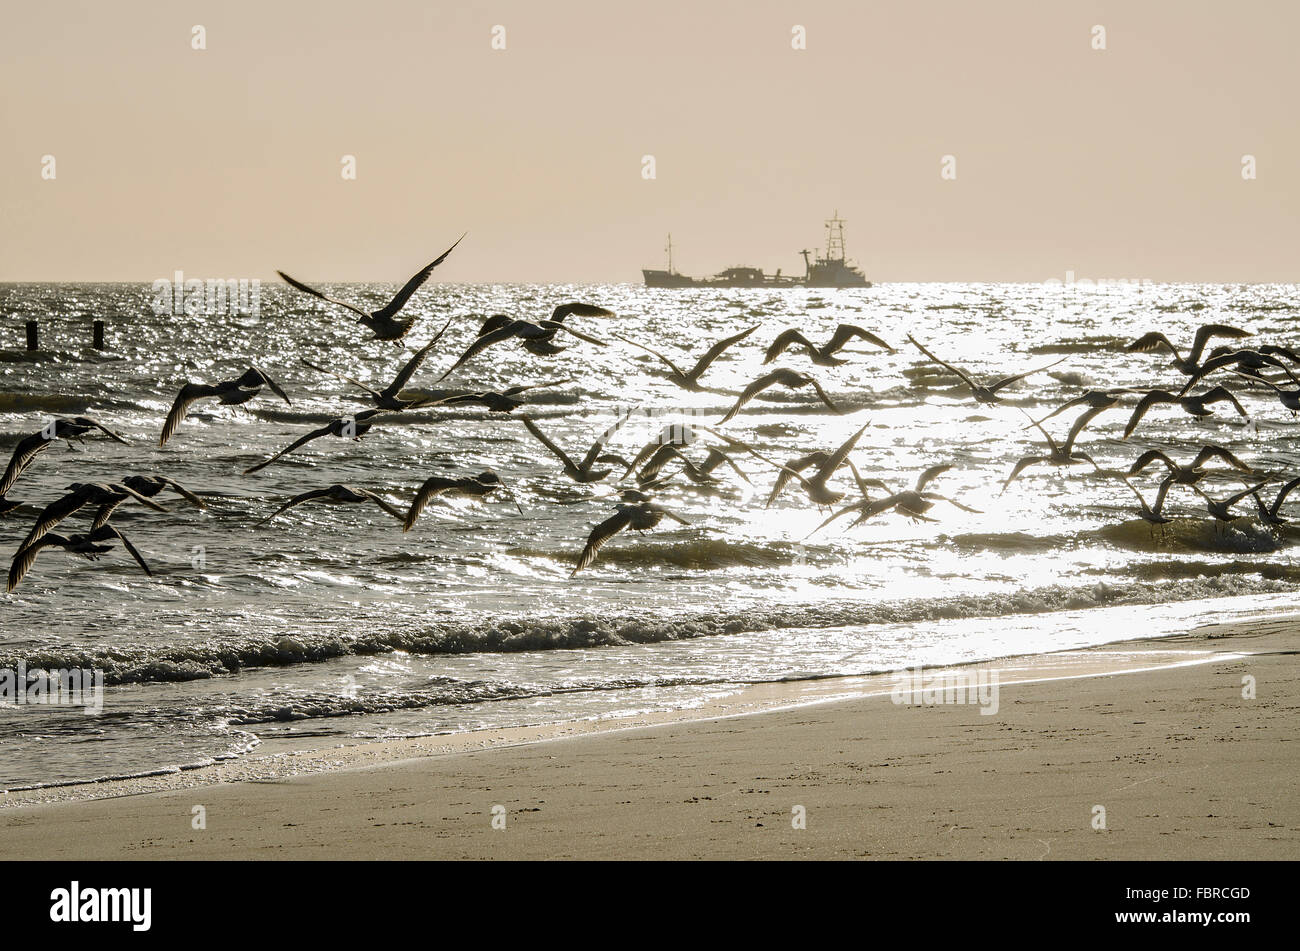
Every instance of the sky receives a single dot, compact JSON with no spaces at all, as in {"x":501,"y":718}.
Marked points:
{"x":1123,"y":163}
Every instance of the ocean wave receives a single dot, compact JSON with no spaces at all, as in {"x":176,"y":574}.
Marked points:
{"x":43,"y":403}
{"x":1202,"y":535}
{"x":143,"y":663}
{"x":1081,"y":345}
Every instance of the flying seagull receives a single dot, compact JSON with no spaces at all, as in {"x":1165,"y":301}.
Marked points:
{"x":790,"y":379}
{"x":1271,"y":513}
{"x":981,"y":393}
{"x":584,"y":471}
{"x":228,"y":393}
{"x":690,"y":379}
{"x":496,"y":401}
{"x":90,"y":545}
{"x":388,"y":398}
{"x":1248,"y":364}
{"x":913,"y":503}
{"x":383,"y":322}
{"x":1198,"y":406}
{"x":1192,"y":473}
{"x":345,"y":427}
{"x":824,"y":355}
{"x":105,"y":496}
{"x":336,"y":494}
{"x":536,"y":337}
{"x":29,"y":447}
{"x":638,"y":516}
{"x":1063,"y":454}
{"x":475,"y":487}
{"x":1191,"y":363}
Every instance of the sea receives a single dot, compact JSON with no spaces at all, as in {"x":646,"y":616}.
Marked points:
{"x":330,"y":625}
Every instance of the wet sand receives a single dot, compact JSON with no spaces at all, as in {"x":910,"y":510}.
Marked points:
{"x":1156,"y":733}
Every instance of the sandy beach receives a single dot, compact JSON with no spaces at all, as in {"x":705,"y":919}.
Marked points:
{"x":1184,"y":766}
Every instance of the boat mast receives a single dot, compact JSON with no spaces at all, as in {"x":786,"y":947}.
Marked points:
{"x":835,"y":239}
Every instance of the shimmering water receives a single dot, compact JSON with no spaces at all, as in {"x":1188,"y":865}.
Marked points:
{"x":331,"y":621}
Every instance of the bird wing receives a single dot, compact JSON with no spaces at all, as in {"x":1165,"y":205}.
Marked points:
{"x":599,"y":445}
{"x":1208,"y":367}
{"x":275,"y":387}
{"x":716,"y":457}
{"x":746,"y":447}
{"x":1144,"y":404}
{"x":495,"y":322}
{"x":54,"y":513}
{"x":410,"y":287}
{"x":131,"y":550}
{"x":1007,"y":381}
{"x":184,"y":492}
{"x":297,"y":500}
{"x":855,"y":507}
{"x":953,"y":502}
{"x":1151,"y":341}
{"x":296,"y":444}
{"x":661,"y":458}
{"x":821,"y":394}
{"x":105,"y":512}
{"x":1274,"y":350}
{"x":1221,"y":394}
{"x":1163,"y":491}
{"x":578,"y":309}
{"x":541,"y":438}
{"x":947,"y":366}
{"x":554,"y":325}
{"x":341,"y":376}
{"x":26,"y":556}
{"x":1204,"y":334}
{"x":1084,"y":419}
{"x":308,"y":289}
{"x":516,"y":390}
{"x":655,"y":353}
{"x":27,"y":449}
{"x":783,"y":476}
{"x":431,"y":487}
{"x":1232,"y":500}
{"x":1148,"y":457}
{"x":1218,"y":452}
{"x":413,"y":364}
{"x":484,"y":340}
{"x":1068,"y":404}
{"x":930,"y":474}
{"x":1283,"y":493}
{"x":87,"y":421}
{"x":670,"y":514}
{"x":190,"y":394}
{"x":784,"y":341}
{"x":836,"y":458}
{"x":716,"y":351}
{"x":601,"y":534}
{"x":846,"y":332}
{"x":1020,"y":467}
{"x":758,"y":386}
{"x":384,"y":504}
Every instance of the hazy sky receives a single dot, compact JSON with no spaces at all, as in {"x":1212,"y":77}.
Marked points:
{"x":225,"y":162}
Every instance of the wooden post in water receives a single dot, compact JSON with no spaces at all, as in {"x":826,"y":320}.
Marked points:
{"x":32,"y":335}
{"x":98,"y":342}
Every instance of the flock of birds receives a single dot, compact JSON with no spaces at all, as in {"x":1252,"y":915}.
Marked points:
{"x":665,"y":457}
